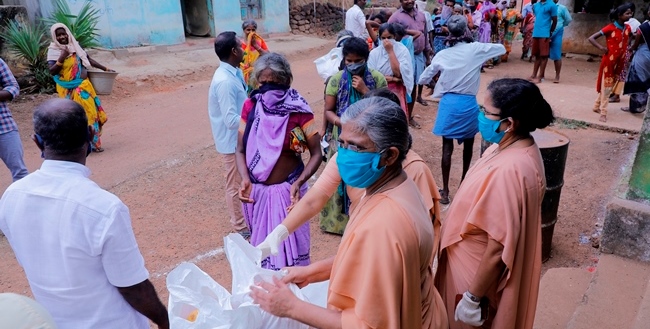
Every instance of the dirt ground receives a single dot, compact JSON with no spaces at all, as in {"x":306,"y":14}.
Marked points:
{"x":160,"y":160}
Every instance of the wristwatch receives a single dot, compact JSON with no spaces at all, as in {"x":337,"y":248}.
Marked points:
{"x":473,"y":298}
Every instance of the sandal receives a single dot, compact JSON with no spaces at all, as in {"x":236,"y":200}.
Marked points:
{"x":246,"y":234}
{"x":444,"y":198}
{"x":614,"y":99}
{"x":414,"y":124}
{"x":98,"y":150}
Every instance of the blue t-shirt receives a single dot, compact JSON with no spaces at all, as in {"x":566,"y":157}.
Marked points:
{"x":544,"y":13}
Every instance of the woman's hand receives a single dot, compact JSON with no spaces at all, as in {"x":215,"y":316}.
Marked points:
{"x":64,"y":55}
{"x":388,"y":45}
{"x":300,"y":275}
{"x":359,"y":84}
{"x":275,"y":298}
{"x":245,"y":191}
{"x":295,"y":194}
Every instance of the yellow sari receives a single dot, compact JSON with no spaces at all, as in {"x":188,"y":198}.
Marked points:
{"x":70,"y":85}
{"x":250,"y":56}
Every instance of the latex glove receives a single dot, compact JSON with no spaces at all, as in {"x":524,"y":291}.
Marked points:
{"x":469,"y":311}
{"x":270,"y":245}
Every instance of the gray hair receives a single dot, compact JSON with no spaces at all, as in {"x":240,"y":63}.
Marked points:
{"x":457,"y":25}
{"x":383,"y":121}
{"x":249,"y":22}
{"x":342,"y":36}
{"x":279,"y":66}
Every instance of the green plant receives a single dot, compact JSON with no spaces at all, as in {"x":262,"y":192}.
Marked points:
{"x":83,"y":25}
{"x":29,"y":43}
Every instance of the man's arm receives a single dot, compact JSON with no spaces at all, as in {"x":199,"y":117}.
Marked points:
{"x":124,"y":266}
{"x":144,"y":299}
{"x":10,"y":88}
{"x":553,"y":24}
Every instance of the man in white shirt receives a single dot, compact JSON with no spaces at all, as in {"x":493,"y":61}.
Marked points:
{"x":355,"y":20}
{"x":225,"y":100}
{"x":73,"y":239}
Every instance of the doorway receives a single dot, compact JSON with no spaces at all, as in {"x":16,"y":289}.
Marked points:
{"x":197,"y":17}
{"x":250,"y":9}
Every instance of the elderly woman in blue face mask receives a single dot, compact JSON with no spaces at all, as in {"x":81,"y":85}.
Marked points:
{"x":344,"y":89}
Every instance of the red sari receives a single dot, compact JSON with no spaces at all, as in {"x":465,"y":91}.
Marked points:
{"x":613,"y":61}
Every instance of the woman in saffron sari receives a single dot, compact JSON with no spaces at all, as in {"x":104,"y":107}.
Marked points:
{"x":393,"y":60}
{"x":69,"y":65}
{"x":381,"y":275}
{"x":491,"y":245}
{"x":277,"y":126}
{"x":344,"y":89}
{"x":254,"y":47}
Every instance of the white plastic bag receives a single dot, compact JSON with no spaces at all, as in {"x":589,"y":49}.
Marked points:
{"x":329,"y":64}
{"x":192,"y":290}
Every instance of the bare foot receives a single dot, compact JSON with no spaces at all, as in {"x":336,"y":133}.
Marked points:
{"x":532,"y":78}
{"x":596,"y":110}
{"x":537,"y":81}
{"x":557,"y":80}
{"x":603,"y":118}
{"x":625,"y":109}
{"x":422,"y":101}
{"x":614,"y":99}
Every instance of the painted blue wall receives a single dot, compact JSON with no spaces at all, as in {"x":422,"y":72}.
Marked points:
{"x":275,"y":16}
{"x":129,"y":23}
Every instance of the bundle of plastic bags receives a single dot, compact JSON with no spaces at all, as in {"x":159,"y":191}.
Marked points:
{"x":197,"y":301}
{"x":329,"y":64}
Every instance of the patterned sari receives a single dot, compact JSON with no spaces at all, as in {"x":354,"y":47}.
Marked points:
{"x":250,"y":56}
{"x":70,"y":85}
{"x":265,"y":133}
{"x":510,"y":24}
{"x":334,"y":216}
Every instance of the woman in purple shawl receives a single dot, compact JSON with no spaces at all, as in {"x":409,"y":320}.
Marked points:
{"x":277,"y":126}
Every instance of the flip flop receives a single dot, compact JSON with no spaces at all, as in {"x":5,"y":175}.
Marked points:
{"x":444,"y":199}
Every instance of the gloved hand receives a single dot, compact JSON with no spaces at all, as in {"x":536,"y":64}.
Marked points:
{"x":272,"y":242}
{"x":469,"y":311}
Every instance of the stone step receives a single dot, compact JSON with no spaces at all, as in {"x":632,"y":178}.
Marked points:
{"x":561,"y":290}
{"x":615,"y":295}
{"x":643,"y":316}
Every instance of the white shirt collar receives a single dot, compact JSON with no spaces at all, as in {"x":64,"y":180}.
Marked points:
{"x":65,"y":167}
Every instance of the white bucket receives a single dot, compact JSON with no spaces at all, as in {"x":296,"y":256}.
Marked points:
{"x":102,"y":81}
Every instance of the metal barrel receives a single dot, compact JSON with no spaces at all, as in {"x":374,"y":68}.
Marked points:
{"x":554,"y":148}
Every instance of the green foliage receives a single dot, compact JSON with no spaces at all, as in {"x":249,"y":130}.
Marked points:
{"x":29,"y":43}
{"x":83,"y":25}
{"x":26,"y":41}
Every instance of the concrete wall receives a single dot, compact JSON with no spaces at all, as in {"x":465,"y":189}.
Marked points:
{"x":275,"y":16}
{"x":584,"y":25}
{"x":130,"y":23}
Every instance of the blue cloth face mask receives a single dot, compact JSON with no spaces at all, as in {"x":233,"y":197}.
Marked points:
{"x":359,"y":169}
{"x":357,"y":68}
{"x":489,"y":129}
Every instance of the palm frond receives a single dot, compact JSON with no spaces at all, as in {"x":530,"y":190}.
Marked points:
{"x":25,"y":41}
{"x":83,"y":25}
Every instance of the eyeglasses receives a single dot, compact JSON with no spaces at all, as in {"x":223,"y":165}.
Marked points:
{"x":482,"y":109}
{"x":350,"y":147}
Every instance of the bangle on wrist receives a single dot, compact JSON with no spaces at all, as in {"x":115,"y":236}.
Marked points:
{"x":58,"y":63}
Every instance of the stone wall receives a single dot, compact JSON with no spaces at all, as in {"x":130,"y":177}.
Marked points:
{"x":327,"y":20}
{"x":8,"y":14}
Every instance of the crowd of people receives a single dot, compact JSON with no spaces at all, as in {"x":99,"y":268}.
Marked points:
{"x":399,"y":264}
